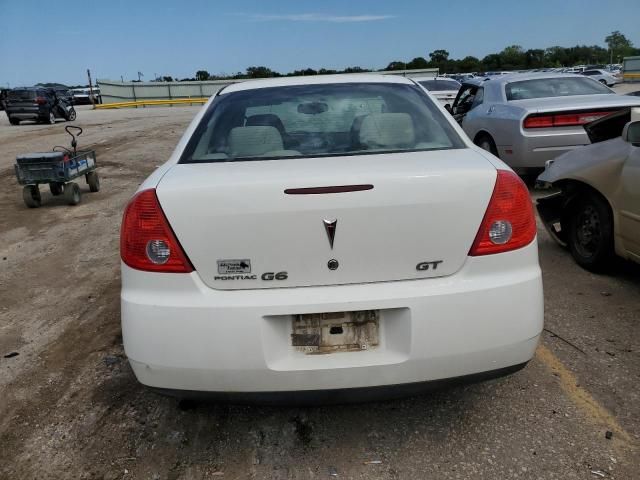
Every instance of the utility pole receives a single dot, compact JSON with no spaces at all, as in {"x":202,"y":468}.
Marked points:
{"x":93,"y":101}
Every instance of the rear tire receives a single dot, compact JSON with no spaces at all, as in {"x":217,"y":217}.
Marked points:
{"x":52,"y":117}
{"x":72,"y":193}
{"x":14,"y":121}
{"x":603,"y":81}
{"x":485,"y":142}
{"x":93,"y":180}
{"x":31,"y":196}
{"x":56,"y":188}
{"x":591,"y":232}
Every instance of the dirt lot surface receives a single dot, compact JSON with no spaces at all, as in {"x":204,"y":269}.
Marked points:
{"x":71,"y":407}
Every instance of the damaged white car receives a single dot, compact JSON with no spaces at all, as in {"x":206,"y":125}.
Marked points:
{"x":596,"y":212}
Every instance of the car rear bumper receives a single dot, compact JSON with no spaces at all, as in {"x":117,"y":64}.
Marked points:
{"x":338,"y":396}
{"x":533,"y":148}
{"x":182,"y":335}
{"x":24,"y":115}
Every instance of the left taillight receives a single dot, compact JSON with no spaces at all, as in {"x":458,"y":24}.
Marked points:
{"x":147,"y":241}
{"x":41,"y":100}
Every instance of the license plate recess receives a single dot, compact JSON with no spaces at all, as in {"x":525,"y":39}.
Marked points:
{"x":321,"y":333}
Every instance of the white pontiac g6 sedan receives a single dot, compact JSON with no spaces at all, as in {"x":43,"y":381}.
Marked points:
{"x":325,"y":239}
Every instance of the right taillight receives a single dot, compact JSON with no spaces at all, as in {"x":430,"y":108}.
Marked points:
{"x":570,"y":119}
{"x":509,"y":221}
{"x":41,"y":100}
{"x":146,"y":239}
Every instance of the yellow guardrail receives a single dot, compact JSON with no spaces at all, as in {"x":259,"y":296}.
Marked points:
{"x":151,"y":103}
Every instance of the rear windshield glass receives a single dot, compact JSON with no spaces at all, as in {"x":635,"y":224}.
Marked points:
{"x":553,"y":87}
{"x":21,"y":94}
{"x":319,"y":120}
{"x":439,"y":85}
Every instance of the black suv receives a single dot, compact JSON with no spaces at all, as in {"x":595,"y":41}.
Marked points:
{"x":34,"y":103}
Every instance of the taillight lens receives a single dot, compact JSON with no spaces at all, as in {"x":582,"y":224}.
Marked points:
{"x":146,"y":239}
{"x":562,"y":119}
{"x":41,"y":100}
{"x":509,"y":222}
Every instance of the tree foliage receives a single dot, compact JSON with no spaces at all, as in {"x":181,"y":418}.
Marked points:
{"x":512,"y":57}
{"x":202,"y":75}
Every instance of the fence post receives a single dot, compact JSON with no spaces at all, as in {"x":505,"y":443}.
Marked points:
{"x":170,"y":97}
{"x":133,"y":89}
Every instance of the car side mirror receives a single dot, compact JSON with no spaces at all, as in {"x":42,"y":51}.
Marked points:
{"x":631,"y":133}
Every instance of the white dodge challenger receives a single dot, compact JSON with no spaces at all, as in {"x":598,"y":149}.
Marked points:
{"x":327,"y":239}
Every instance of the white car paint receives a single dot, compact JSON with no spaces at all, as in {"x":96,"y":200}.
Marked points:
{"x":189,"y":332}
{"x":444,"y":97}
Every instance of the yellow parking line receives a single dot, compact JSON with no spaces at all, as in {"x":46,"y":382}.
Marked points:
{"x":580,"y":397}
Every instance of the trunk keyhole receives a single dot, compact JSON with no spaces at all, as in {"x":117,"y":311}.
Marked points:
{"x":335,"y":330}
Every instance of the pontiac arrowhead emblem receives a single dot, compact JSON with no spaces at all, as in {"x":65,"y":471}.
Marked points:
{"x":330,"y":228}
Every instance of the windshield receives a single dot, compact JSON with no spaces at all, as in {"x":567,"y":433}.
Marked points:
{"x":554,"y":87}
{"x":21,"y":94}
{"x":319,"y":120}
{"x":439,"y":85}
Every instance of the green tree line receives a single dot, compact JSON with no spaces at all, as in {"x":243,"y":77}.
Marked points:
{"x":513,"y":57}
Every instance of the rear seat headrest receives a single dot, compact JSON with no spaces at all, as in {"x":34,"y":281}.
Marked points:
{"x":254,"y":141}
{"x":387,"y":130}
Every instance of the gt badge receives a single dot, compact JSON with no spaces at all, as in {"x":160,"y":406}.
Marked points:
{"x":428,"y":265}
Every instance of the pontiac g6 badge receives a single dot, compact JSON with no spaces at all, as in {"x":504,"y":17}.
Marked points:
{"x":330,"y":228}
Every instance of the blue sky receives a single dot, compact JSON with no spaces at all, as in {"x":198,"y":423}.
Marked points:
{"x":58,"y":40}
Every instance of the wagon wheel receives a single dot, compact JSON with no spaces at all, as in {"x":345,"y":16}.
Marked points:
{"x":93,"y":180}
{"x":56,"y":188}
{"x":72,"y":193}
{"x":31,"y":196}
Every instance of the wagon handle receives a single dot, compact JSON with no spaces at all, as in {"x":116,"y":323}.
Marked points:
{"x":63,"y":148}
{"x":74,"y":142}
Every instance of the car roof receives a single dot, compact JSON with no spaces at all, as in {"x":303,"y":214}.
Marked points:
{"x":423,"y":79}
{"x":513,"y":77}
{"x":315,"y":80}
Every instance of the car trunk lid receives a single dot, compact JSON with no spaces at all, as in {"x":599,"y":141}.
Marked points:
{"x":241,"y":230}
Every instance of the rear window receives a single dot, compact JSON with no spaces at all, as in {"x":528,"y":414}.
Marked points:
{"x":553,"y":87}
{"x":319,"y":120}
{"x":439,"y":85}
{"x":21,"y":94}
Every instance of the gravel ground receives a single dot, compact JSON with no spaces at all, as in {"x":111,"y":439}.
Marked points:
{"x":71,"y":407}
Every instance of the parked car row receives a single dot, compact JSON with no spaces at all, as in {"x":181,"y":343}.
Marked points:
{"x":586,"y":136}
{"x":527,"y":119}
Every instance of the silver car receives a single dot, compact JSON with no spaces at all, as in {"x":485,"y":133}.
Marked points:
{"x":529,"y":118}
{"x":596,"y":209}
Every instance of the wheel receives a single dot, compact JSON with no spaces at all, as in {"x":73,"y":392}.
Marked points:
{"x":52,"y":117}
{"x":56,"y":188}
{"x":31,"y":196}
{"x":71,"y":114}
{"x":590,"y":235}
{"x":14,"y":121}
{"x":485,"y":142}
{"x":72,"y":193}
{"x":93,"y":180}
